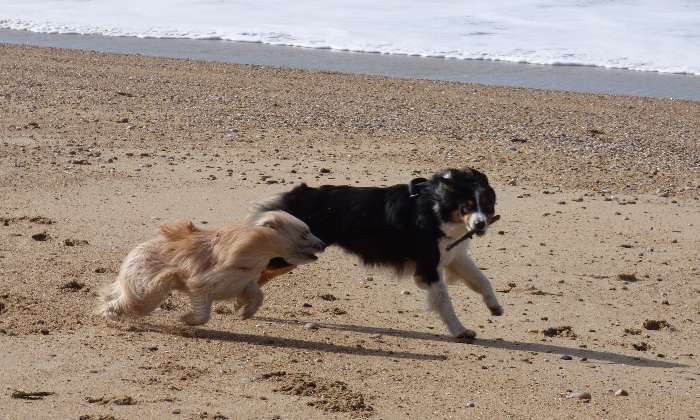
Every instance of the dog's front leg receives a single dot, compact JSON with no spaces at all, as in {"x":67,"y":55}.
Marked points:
{"x":251,"y":298}
{"x":439,"y":301}
{"x":200,"y":301}
{"x":428,"y":277}
{"x":465,"y":268}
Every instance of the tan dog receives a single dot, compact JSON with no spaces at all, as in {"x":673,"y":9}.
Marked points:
{"x":207,"y":265}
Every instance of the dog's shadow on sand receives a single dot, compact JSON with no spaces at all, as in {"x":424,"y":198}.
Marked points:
{"x":327,"y":347}
{"x":268,"y":341}
{"x":603,"y":356}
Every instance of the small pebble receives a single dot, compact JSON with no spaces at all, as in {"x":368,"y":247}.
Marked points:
{"x":566,"y":357}
{"x":580,"y":395}
{"x":405,"y":292}
{"x":311,"y":326}
{"x":471,"y":404}
{"x":621,"y":393}
{"x":41,"y":236}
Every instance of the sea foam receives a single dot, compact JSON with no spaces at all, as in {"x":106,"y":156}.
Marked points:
{"x":647,"y":35}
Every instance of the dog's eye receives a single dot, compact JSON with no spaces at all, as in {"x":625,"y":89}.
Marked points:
{"x":305,"y":235}
{"x":466,"y":207}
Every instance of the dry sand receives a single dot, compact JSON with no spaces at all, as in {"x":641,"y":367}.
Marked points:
{"x":97,"y":150}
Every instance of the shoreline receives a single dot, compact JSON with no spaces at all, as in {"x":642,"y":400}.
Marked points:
{"x":567,"y":78}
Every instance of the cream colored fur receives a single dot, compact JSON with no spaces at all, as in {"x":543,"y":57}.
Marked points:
{"x":207,"y":265}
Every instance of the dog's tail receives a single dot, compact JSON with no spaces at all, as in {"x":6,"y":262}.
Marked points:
{"x":121,"y":299}
{"x":142,"y":284}
{"x":259,"y":207}
{"x":178,"y":230}
{"x":285,"y":201}
{"x":112,"y":301}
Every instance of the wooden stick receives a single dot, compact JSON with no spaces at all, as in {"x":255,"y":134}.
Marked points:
{"x":471,"y":233}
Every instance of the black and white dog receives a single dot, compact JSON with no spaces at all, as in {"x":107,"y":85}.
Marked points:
{"x":407,"y":227}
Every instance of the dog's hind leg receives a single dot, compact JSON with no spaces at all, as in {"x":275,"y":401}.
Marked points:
{"x":439,"y":301}
{"x":465,"y":269}
{"x":201,"y":302}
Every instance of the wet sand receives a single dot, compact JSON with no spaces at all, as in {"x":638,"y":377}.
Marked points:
{"x":563,"y":78}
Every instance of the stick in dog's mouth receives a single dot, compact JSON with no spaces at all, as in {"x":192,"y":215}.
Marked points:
{"x":470,"y":233}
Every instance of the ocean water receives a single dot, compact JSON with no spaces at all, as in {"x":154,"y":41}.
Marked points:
{"x":646,"y":35}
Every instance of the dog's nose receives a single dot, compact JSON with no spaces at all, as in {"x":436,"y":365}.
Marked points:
{"x":321,"y":245}
{"x":479,"y":225}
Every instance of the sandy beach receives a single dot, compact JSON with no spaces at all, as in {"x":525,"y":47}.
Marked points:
{"x":600,"y":236}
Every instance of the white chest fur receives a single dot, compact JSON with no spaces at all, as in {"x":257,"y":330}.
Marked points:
{"x":453,"y":232}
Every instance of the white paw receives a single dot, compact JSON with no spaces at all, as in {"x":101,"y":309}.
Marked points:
{"x":466,"y":334}
{"x":193,"y":319}
{"x":248,"y":311}
{"x":496,"y":310}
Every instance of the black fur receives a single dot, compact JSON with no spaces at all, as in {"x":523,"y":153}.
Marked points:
{"x":388,"y":226}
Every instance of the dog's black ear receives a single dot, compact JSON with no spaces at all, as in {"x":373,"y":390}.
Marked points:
{"x":477,"y":174}
{"x":446,"y":179}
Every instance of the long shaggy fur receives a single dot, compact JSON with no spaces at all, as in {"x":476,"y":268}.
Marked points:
{"x":207,"y":265}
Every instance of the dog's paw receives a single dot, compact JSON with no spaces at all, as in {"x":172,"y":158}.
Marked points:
{"x":496,"y":310}
{"x":193,"y":319}
{"x":239,"y":303}
{"x":248,"y":311}
{"x":466,"y":335}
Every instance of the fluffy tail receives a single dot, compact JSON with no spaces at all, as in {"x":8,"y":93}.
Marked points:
{"x":280,"y":201}
{"x":143,"y":283}
{"x":272,"y":203}
{"x":112,"y":301}
{"x":123,"y":299}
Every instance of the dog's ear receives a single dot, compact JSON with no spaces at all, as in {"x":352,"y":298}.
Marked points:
{"x":416,"y":185}
{"x":269,"y":221}
{"x":477,"y":174}
{"x":446,"y":180}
